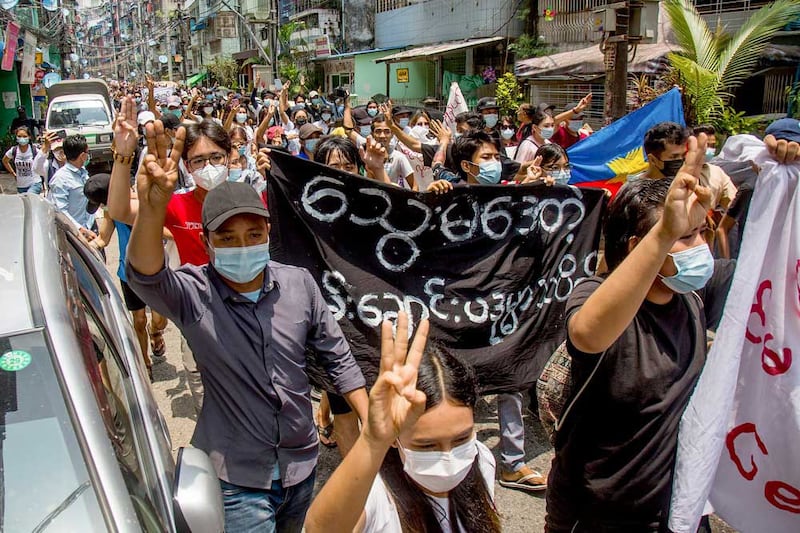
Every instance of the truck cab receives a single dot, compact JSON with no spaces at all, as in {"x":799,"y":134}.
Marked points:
{"x":84,"y":107}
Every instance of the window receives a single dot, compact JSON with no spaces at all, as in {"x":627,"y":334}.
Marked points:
{"x":112,"y":389}
{"x":44,"y":479}
{"x":74,"y":113}
{"x":341,"y":80}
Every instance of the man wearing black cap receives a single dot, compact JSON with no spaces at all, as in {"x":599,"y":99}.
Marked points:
{"x":249,"y":322}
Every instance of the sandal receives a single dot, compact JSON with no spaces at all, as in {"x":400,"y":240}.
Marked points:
{"x":528,"y":480}
{"x":157,"y":344}
{"x":326,"y":436}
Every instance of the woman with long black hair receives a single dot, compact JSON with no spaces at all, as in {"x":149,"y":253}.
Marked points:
{"x":417,"y":466}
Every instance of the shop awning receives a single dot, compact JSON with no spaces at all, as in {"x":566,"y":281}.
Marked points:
{"x":588,"y":62}
{"x":245,"y":54}
{"x":196,"y":78}
{"x":434,"y":50}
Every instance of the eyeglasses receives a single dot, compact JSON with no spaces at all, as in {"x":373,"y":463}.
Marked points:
{"x":200,"y":161}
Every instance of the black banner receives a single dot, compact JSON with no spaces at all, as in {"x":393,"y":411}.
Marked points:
{"x":490,"y":266}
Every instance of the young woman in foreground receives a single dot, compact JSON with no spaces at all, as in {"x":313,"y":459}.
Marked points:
{"x":417,"y":465}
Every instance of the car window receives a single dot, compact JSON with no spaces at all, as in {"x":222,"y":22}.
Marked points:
{"x":44,"y":482}
{"x":73,"y":113}
{"x":111,"y":385}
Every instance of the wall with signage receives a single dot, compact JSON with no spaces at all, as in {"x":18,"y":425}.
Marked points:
{"x":411,"y":81}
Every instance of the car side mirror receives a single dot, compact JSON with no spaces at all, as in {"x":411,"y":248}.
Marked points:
{"x":197,"y":496}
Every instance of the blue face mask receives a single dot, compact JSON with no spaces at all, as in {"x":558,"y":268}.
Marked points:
{"x":242,"y":150}
{"x":22,"y":141}
{"x":366,"y":130}
{"x":695,"y":267}
{"x":311,"y":145}
{"x":241,"y":264}
{"x":372,"y":111}
{"x":403,"y":122}
{"x":340,"y":110}
{"x":489,"y":173}
{"x":234,"y":174}
{"x":562,"y":176}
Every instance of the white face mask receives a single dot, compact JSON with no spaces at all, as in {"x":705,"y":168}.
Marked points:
{"x":547,"y":132}
{"x":210,"y":176}
{"x":420,"y":132}
{"x":241,"y":118}
{"x":440,"y":471}
{"x":575,"y":125}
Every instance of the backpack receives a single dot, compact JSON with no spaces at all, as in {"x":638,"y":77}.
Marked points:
{"x":554,"y":389}
{"x":555,"y":384}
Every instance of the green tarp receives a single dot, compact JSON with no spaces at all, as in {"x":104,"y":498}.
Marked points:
{"x":197,"y":78}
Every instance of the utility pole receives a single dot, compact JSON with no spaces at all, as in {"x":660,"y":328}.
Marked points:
{"x":615,"y":54}
{"x":182,"y":18}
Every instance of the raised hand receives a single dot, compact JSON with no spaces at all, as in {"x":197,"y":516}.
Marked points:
{"x":126,"y":135}
{"x":156,"y":180}
{"x":441,"y":133}
{"x":394,"y":401}
{"x":687,"y":201}
{"x":263,"y":163}
{"x":584,"y":103}
{"x":534,"y":172}
{"x":373,"y":155}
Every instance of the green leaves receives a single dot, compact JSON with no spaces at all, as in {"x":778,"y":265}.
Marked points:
{"x":711,"y":65}
{"x":508,"y":94}
{"x":740,"y":56}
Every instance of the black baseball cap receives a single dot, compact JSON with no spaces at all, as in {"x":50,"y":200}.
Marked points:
{"x":96,"y":191}
{"x":229,"y":199}
{"x":787,"y":129}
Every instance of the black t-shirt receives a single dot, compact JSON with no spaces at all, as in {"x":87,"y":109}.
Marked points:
{"x":510,"y":167}
{"x":615,"y":454}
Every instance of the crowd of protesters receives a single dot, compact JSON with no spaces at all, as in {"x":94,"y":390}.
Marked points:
{"x":192,"y":170}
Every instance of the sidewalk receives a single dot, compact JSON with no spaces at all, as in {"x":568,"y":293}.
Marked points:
{"x":8,"y":185}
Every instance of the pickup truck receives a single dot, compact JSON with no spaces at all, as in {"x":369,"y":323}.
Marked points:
{"x":85,"y":107}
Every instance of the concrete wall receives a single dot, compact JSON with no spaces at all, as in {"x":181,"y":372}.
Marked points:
{"x":444,"y":20}
{"x":359,"y":25}
{"x":420,"y":84}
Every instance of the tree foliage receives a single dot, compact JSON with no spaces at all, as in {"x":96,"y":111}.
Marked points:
{"x":710,"y":65}
{"x":508,"y":94}
{"x":225,"y":70}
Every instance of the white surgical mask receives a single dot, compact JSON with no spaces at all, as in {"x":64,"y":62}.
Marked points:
{"x":372,"y":111}
{"x":326,"y":117}
{"x":547,"y":132}
{"x":490,"y":119}
{"x":403,"y":123}
{"x":575,"y":125}
{"x":440,"y":471}
{"x":507,"y":133}
{"x":420,"y":132}
{"x":208,"y":110}
{"x":210,"y":176}
{"x":241,"y":118}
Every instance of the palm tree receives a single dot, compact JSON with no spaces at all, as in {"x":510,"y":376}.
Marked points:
{"x":711,"y":65}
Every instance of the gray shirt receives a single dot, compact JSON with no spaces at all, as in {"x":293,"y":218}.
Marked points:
{"x":252,"y":359}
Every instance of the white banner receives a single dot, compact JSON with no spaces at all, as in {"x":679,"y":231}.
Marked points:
{"x":455,"y":104}
{"x":739,"y":441}
{"x":27,"y":74}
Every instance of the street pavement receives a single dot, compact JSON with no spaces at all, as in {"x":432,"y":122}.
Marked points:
{"x":520,"y":511}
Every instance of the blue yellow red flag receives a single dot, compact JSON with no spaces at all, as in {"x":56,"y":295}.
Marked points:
{"x":606,"y":158}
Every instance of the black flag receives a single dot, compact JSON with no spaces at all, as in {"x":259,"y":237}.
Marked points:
{"x":490,"y":266}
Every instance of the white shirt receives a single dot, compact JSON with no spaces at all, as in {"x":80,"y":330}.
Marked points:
{"x":23,"y":166}
{"x":380,"y":510}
